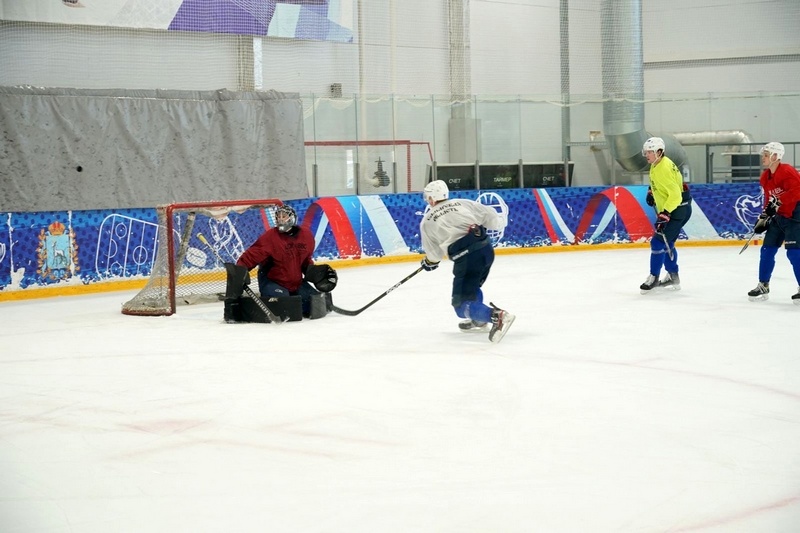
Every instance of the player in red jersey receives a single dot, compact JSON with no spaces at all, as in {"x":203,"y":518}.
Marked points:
{"x":780,"y":218}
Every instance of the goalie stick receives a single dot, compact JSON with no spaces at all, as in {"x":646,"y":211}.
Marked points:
{"x":386,"y":292}
{"x":275,"y":319}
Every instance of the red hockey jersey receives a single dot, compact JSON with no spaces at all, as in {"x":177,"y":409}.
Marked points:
{"x":284,"y":255}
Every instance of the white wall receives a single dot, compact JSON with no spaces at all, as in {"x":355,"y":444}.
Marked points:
{"x":99,"y":58}
{"x":751,"y":48}
{"x":514,"y":50}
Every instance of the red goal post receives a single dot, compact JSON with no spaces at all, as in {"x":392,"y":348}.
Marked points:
{"x":183,"y":269}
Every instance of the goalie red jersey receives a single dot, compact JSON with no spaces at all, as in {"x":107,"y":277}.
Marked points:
{"x":282,"y":256}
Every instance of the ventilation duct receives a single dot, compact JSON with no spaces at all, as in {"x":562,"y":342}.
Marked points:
{"x":623,"y":86}
{"x":734,"y":138}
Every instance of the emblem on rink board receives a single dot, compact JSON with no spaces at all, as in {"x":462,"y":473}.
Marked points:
{"x":58,"y":253}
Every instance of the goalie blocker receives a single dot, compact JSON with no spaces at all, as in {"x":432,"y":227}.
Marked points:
{"x":242,"y":308}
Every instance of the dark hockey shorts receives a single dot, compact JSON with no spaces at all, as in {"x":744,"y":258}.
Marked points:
{"x":469,"y":273}
{"x":782,"y":230}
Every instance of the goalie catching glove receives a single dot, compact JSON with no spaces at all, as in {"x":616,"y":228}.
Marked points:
{"x":323,"y":277}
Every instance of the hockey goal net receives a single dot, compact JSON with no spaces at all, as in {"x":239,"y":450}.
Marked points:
{"x":183,"y":269}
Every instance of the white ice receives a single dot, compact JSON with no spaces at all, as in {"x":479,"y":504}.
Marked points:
{"x":602,"y":410}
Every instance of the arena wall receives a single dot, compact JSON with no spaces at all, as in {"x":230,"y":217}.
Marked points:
{"x":50,"y":253}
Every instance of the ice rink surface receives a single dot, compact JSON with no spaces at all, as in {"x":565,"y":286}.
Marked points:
{"x":602,"y":410}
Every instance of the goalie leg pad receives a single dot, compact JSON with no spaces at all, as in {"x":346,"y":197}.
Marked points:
{"x":250,"y":312}
{"x":245,"y":309}
{"x":319,"y":306}
{"x":289,"y":308}
{"x":233,"y":312}
{"x":238,"y":278}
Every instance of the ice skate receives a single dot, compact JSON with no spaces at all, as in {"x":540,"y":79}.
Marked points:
{"x":796,"y":297}
{"x":472,"y":326}
{"x":501,"y":322}
{"x":649,"y":284}
{"x":671,"y":282}
{"x":760,"y":293}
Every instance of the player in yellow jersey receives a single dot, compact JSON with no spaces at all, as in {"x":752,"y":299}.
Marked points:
{"x":673,"y":203}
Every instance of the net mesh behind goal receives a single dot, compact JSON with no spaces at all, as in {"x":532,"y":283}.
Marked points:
{"x":184,"y":270}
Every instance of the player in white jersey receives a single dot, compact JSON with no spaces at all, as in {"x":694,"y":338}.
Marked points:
{"x":457,"y":229}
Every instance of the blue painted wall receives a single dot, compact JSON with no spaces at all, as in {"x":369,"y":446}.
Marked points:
{"x":47,"y":248}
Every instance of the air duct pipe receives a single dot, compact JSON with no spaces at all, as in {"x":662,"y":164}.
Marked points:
{"x":734,"y":138}
{"x":623,"y":86}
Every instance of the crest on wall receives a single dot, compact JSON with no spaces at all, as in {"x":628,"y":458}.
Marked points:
{"x":748,"y":208}
{"x":57,"y":253}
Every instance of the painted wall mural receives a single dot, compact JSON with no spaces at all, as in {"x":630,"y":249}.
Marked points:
{"x":321,"y":20}
{"x":85,"y":247}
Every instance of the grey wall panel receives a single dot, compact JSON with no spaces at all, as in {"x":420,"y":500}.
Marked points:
{"x":64,"y":149}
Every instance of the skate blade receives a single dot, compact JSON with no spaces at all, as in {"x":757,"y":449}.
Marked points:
{"x":480,"y":329}
{"x":760,"y":298}
{"x":796,"y":301}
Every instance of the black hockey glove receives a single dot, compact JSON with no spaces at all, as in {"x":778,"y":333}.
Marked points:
{"x":651,"y":201}
{"x":772,"y":207}
{"x":324,"y":277}
{"x":429,"y":265}
{"x":762,"y":223}
{"x":477,"y":231}
{"x":661,"y":221}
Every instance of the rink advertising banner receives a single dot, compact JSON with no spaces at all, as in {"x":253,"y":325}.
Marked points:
{"x":39,"y":249}
{"x":324,"y":20}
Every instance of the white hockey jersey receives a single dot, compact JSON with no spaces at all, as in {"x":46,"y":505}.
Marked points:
{"x":448,"y":221}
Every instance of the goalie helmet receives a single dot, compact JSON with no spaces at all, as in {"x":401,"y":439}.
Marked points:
{"x":653,"y":144}
{"x":774,"y":148}
{"x":285,"y":218}
{"x":436,"y":191}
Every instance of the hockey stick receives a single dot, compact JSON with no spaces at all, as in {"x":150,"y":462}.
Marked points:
{"x":275,"y":319}
{"x":386,"y":292}
{"x":747,"y":242}
{"x":753,"y":233}
{"x":666,"y":242}
{"x":664,"y":238}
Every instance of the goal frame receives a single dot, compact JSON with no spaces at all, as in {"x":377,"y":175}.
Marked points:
{"x":169,"y":254}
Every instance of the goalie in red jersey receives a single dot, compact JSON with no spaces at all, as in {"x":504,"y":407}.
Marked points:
{"x":283,"y":255}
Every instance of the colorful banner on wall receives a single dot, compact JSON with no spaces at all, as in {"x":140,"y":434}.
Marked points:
{"x":46,"y":248}
{"x":322,"y":20}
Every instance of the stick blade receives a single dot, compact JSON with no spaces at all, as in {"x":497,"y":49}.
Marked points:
{"x":345,"y":311}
